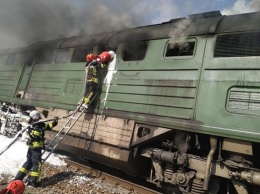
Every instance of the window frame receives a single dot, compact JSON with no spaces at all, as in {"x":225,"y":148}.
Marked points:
{"x":44,"y":62}
{"x":127,"y":45}
{"x":13,"y":59}
{"x":68,"y":56}
{"x":87,"y":50}
{"x":187,"y":40}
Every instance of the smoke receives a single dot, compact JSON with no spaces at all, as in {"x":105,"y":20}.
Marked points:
{"x":23,"y":22}
{"x":242,"y":6}
{"x":180,"y":32}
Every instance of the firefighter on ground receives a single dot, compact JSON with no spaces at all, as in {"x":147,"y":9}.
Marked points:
{"x":93,"y":66}
{"x":14,"y":187}
{"x":35,"y":143}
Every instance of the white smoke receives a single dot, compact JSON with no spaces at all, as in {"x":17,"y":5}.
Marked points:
{"x":180,"y":32}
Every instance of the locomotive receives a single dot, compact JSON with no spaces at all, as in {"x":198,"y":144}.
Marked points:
{"x":178,"y":106}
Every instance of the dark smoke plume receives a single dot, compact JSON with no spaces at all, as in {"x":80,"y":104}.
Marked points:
{"x":24,"y":22}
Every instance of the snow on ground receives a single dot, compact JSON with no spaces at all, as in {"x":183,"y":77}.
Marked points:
{"x":13,"y":158}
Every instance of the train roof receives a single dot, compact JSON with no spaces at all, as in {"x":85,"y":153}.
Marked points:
{"x":196,"y":24}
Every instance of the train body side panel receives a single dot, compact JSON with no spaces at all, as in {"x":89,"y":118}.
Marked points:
{"x":228,"y":99}
{"x":54,"y":85}
{"x":158,"y":91}
{"x":9,"y":76}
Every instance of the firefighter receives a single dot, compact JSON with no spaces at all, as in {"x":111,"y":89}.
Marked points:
{"x":93,"y":66}
{"x":14,"y":187}
{"x":35,"y":143}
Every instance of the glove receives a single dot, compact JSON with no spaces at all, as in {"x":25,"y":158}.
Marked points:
{"x":30,"y":120}
{"x":55,"y":122}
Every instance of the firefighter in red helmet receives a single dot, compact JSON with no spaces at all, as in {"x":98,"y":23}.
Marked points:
{"x":14,"y":187}
{"x":35,"y":143}
{"x":93,"y":66}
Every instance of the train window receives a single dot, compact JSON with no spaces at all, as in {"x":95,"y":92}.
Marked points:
{"x":180,"y":49}
{"x":62,"y":56}
{"x":134,"y":52}
{"x":44,"y":57}
{"x":238,"y":45}
{"x":79,"y":54}
{"x":10,"y":59}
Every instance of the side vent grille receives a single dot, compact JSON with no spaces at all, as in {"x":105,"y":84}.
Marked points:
{"x":244,"y":100}
{"x":238,"y":45}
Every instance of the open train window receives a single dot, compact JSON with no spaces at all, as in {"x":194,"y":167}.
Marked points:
{"x":79,"y":54}
{"x":10,"y":59}
{"x":134,"y":52}
{"x":238,"y":45}
{"x":178,"y":49}
{"x":62,"y":56}
{"x":44,"y":57}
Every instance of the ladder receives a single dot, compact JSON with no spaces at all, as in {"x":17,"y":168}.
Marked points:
{"x":73,"y":118}
{"x":51,"y":146}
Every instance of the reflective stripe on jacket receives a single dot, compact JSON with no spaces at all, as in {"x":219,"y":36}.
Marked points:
{"x":92,"y":71}
{"x":37,"y":133}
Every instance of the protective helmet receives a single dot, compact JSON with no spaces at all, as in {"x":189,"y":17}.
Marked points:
{"x":112,"y":54}
{"x":16,"y":186}
{"x":35,"y":115}
{"x":90,"y":57}
{"x":106,"y":56}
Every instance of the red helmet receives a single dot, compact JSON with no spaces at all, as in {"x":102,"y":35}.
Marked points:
{"x":106,"y":56}
{"x":16,"y":186}
{"x":90,"y":57}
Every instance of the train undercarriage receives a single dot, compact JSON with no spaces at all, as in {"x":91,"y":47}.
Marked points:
{"x":221,"y":172}
{"x":199,"y":164}
{"x":189,"y":164}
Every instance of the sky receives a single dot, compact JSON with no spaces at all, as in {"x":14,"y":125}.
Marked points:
{"x":13,"y":158}
{"x":23,"y":22}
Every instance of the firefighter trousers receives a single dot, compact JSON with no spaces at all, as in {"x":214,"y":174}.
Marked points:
{"x":33,"y":163}
{"x":91,"y":89}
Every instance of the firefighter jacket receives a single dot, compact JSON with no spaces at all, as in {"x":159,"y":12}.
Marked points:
{"x":36,"y":134}
{"x":92,"y":71}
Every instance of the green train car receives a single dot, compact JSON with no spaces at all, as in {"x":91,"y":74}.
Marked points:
{"x":179,"y":104}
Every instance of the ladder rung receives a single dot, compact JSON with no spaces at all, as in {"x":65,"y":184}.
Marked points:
{"x":49,"y":148}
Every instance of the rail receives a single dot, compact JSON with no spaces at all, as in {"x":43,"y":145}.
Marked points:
{"x":112,"y":179}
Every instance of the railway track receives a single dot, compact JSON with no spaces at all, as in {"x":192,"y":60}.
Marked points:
{"x":112,"y":179}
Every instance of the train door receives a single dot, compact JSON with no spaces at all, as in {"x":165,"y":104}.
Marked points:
{"x":25,"y":77}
